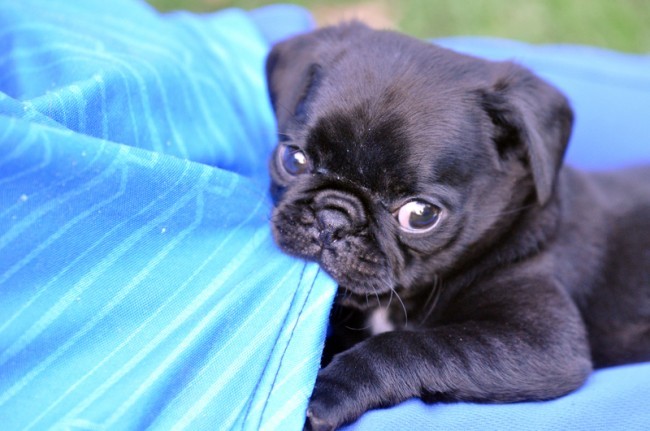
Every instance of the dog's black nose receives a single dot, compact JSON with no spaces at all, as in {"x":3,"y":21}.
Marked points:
{"x":334,"y":223}
{"x":338,"y":214}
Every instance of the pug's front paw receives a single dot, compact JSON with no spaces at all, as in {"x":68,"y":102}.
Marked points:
{"x":334,"y":402}
{"x":316,"y":421}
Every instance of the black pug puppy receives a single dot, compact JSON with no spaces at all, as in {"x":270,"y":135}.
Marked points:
{"x":471,"y":264}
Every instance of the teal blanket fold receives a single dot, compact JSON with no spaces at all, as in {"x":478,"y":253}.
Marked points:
{"x":139,"y":284}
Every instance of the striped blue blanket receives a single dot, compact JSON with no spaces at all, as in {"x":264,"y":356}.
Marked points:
{"x":139,"y":285}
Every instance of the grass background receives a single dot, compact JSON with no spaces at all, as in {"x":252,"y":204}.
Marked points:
{"x":616,"y":24}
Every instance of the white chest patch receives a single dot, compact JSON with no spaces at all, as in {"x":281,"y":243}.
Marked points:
{"x":379,"y":322}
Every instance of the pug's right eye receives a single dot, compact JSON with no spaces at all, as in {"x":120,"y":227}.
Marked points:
{"x":293,"y":160}
{"x":418,"y":216}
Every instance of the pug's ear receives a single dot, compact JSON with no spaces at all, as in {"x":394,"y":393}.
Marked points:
{"x":294,"y":71}
{"x":292,"y":74}
{"x":533,"y":120}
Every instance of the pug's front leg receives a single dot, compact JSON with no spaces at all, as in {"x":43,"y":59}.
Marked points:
{"x":502,"y":361}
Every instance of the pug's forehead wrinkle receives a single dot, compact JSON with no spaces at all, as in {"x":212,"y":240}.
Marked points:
{"x":353,"y":143}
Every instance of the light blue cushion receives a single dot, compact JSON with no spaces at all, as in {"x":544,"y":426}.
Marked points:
{"x":612,"y":399}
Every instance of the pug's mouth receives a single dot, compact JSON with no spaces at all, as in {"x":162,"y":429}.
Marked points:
{"x":360,"y":274}
{"x":351,"y":260}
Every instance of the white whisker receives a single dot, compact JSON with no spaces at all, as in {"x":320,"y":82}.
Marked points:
{"x":432,"y":299}
{"x":406,"y":317}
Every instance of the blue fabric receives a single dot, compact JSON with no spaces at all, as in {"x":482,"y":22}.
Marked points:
{"x":610,"y":93}
{"x":139,"y":284}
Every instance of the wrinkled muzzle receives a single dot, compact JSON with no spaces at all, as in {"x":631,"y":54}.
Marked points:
{"x":332,"y":228}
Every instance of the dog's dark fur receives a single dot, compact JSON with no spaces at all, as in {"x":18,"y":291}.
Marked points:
{"x":533,"y":274}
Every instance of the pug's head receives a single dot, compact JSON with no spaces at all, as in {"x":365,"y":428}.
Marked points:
{"x":399,"y":161}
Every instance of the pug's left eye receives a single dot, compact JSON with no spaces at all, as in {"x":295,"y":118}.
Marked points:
{"x":418,"y":216}
{"x":294,"y":160}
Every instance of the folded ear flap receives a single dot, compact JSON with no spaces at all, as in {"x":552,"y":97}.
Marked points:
{"x":533,"y":120}
{"x":292,"y":75}
{"x":294,"y":71}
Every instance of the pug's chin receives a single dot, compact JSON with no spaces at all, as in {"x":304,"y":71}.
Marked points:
{"x":362,"y":285}
{"x":362,"y":302}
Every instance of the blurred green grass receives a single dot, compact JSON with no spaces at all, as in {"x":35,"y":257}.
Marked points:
{"x":616,"y":24}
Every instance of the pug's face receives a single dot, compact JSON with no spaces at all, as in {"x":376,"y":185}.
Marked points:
{"x":398,"y":161}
